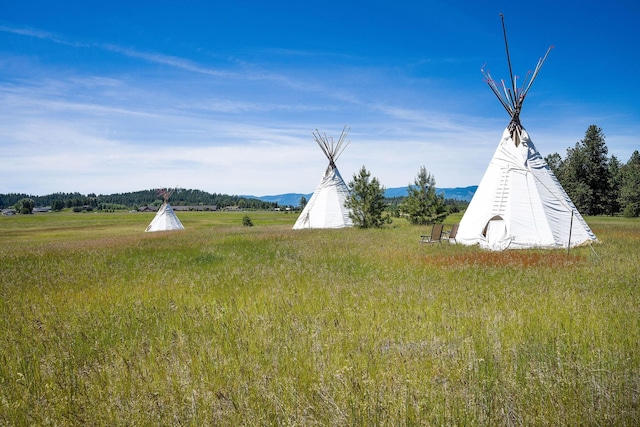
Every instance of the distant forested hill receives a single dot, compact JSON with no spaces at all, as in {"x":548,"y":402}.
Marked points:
{"x":181,"y":197}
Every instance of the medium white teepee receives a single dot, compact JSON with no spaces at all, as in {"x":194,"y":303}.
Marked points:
{"x":165,"y":219}
{"x":519,"y":202}
{"x":326,"y":208}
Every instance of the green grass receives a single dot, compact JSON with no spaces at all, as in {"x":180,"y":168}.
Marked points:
{"x":220,"y":324}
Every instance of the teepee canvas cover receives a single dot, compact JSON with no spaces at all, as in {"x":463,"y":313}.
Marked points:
{"x":519,"y":202}
{"x":165,"y":219}
{"x":326,"y":208}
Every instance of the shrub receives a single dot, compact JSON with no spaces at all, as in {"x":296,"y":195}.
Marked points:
{"x":631,"y":211}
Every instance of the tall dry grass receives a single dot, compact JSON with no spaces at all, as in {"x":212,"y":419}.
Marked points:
{"x":222,"y":324}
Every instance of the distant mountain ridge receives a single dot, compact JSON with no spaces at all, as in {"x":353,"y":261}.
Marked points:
{"x":293,"y":199}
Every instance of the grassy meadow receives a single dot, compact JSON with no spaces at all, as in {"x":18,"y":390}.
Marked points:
{"x":105,"y":325}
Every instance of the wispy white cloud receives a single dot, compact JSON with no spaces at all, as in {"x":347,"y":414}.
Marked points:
{"x":171,"y":61}
{"x":40,"y":34}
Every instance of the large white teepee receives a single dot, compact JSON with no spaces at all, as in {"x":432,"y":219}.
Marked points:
{"x":519,"y":202}
{"x":326,"y":208}
{"x":165,"y":219}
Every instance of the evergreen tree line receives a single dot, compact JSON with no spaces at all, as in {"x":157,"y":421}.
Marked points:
{"x":181,"y":197}
{"x":598,"y":184}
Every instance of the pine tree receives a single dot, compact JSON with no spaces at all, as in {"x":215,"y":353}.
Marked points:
{"x":597,"y":175}
{"x":615,"y":182}
{"x":585,"y":174}
{"x":555,"y":163}
{"x":366,"y":200}
{"x":422,"y":205}
{"x":571,"y":176}
{"x":630,"y":186}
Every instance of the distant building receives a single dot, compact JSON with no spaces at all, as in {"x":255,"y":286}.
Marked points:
{"x":148,"y":209}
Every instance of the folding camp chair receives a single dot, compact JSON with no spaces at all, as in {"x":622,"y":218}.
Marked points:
{"x":435,"y":236}
{"x":451,"y":235}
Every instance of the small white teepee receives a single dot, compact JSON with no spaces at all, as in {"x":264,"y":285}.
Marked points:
{"x":165,"y":219}
{"x":326,"y":209}
{"x":519,"y":202}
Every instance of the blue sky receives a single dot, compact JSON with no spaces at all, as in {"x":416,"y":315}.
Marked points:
{"x":223,"y":96}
